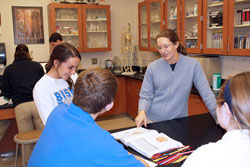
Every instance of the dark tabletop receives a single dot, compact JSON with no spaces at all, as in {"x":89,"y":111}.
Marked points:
{"x":194,"y":131}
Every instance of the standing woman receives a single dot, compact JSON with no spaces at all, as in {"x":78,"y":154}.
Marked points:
{"x":56,"y":86}
{"x":233,"y":113}
{"x":168,"y":82}
{"x":19,"y":79}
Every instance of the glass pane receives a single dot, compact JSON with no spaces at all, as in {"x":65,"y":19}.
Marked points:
{"x":67,"y":25}
{"x":215,"y":24}
{"x":191,"y":23}
{"x":172,"y":15}
{"x":144,"y":29}
{"x":97,"y":36}
{"x":155,"y":22}
{"x":242,"y":24}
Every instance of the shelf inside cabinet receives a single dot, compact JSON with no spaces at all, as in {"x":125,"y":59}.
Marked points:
{"x":172,"y":18}
{"x":96,"y":20}
{"x":211,"y":28}
{"x":192,"y":16}
{"x":242,"y":25}
{"x":241,"y":1}
{"x":155,"y":21}
{"x":216,"y":4}
{"x":66,"y":20}
{"x":191,"y":38}
{"x":70,"y":35}
{"x":96,"y":31}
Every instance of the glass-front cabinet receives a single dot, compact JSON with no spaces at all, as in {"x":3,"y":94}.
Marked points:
{"x":215,"y":26}
{"x":66,"y":20}
{"x":96,"y":29}
{"x":173,"y":16}
{"x":87,"y":27}
{"x":143,"y":26}
{"x":239,"y":27}
{"x":151,"y":17}
{"x":191,"y":25}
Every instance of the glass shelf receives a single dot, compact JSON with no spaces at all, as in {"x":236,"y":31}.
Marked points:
{"x":63,"y":20}
{"x":215,"y":5}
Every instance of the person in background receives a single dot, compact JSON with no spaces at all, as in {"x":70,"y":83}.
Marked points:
{"x":57,"y":86}
{"x":168,"y":82}
{"x":19,"y":79}
{"x":233,"y":114}
{"x":72,"y":138}
{"x":55,"y":39}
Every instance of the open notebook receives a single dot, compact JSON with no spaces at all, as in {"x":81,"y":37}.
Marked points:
{"x":145,"y":141}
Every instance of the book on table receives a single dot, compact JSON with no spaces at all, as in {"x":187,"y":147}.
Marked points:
{"x":146,"y":141}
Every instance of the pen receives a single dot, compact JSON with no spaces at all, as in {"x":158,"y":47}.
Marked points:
{"x":166,"y":156}
{"x":171,"y":159}
{"x":157,"y":155}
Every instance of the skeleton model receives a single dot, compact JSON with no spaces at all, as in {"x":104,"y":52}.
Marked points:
{"x":127,"y":50}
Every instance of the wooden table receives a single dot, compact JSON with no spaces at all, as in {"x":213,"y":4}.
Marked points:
{"x":7,"y":143}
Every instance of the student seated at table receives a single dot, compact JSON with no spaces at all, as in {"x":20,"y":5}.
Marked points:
{"x":72,"y":138}
{"x":233,"y":114}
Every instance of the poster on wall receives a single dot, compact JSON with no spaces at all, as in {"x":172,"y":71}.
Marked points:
{"x":28,"y":25}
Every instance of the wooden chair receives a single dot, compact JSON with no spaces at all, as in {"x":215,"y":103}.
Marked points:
{"x":29,"y":137}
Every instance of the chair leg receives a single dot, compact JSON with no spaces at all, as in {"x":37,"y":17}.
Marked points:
{"x":16,"y":156}
{"x":23,"y":155}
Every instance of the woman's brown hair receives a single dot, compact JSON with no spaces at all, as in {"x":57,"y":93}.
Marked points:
{"x":239,"y":87}
{"x":22,"y":51}
{"x":173,"y":37}
{"x":62,"y":53}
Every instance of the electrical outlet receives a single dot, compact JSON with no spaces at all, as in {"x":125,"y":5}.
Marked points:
{"x":94,"y":60}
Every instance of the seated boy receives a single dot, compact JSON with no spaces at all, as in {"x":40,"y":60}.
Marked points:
{"x":72,"y":138}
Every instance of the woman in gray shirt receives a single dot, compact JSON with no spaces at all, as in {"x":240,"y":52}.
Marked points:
{"x":168,"y":82}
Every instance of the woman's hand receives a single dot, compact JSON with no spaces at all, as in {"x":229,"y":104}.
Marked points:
{"x":141,"y":119}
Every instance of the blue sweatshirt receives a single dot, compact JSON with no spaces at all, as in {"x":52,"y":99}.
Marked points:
{"x":164,"y":93}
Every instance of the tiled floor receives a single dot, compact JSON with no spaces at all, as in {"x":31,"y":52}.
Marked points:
{"x":108,"y":123}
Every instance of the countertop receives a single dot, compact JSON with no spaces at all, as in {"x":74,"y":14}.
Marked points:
{"x":140,"y":76}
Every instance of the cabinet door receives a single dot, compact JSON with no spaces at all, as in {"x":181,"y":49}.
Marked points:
{"x":215,"y":26}
{"x":96,"y":28}
{"x":120,"y":99}
{"x":156,"y":15}
{"x":239,"y":26}
{"x":66,"y":19}
{"x":143,"y":26}
{"x":191,"y":25}
{"x":173,"y":16}
{"x":196,"y":105}
{"x":133,"y":90}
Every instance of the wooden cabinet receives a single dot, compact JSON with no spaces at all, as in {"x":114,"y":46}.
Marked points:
{"x":120,"y":106}
{"x":196,"y":105}
{"x":225,"y":29}
{"x":132,"y":96}
{"x":218,"y":27}
{"x":151,"y":17}
{"x":87,"y":27}
{"x":238,"y":27}
{"x":172,"y":15}
{"x":215,"y":26}
{"x":191,"y":25}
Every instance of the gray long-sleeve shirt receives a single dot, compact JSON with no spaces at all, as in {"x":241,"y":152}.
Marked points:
{"x":164,"y":93}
